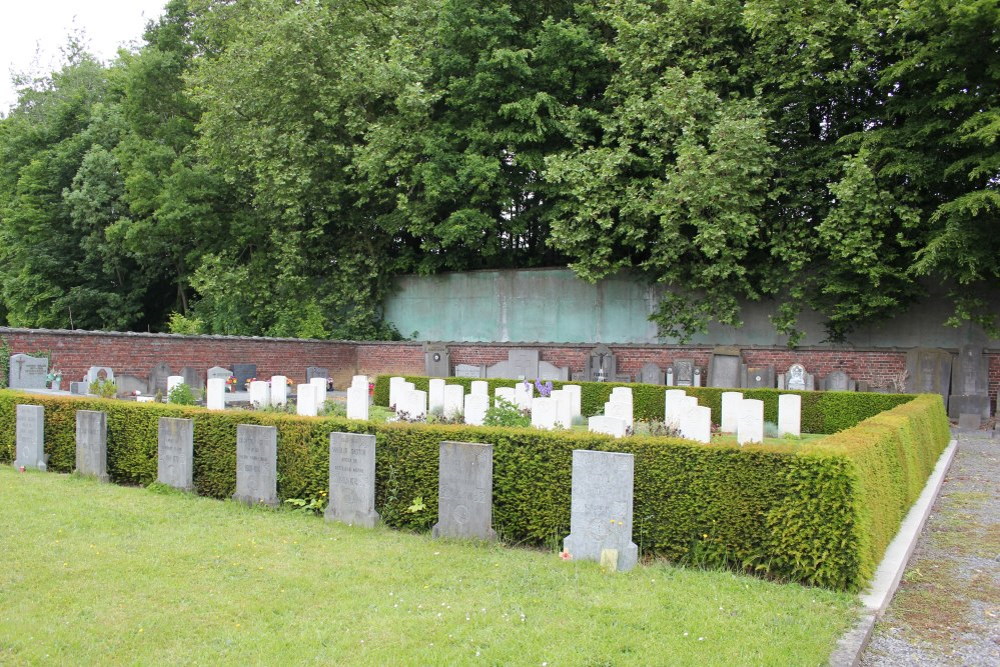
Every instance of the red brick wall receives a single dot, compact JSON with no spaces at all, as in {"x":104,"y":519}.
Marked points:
{"x":136,"y":353}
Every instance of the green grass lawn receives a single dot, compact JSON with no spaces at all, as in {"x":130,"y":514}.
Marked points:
{"x":93,"y":573}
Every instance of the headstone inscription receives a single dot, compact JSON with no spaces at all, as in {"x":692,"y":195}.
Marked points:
{"x":789,"y":414}
{"x":601,"y":507}
{"x":928,"y":371}
{"x":92,"y":444}
{"x":969,"y":384}
{"x":256,"y":465}
{"x":242,"y":373}
{"x":352,"y":479}
{"x":175,"y":449}
{"x":651,"y":374}
{"x":465,"y":491}
{"x":29,"y":438}
{"x":27,"y":372}
{"x":724,"y":367}
{"x":437,"y":361}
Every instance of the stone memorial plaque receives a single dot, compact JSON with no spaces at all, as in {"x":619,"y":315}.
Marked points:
{"x":158,"y":375}
{"x":651,"y":374}
{"x":314,"y":372}
{"x":724,"y":370}
{"x":175,"y":453}
{"x":470,"y":371}
{"x":759,"y":377}
{"x":524,"y":364}
{"x":256,"y":465}
{"x":352,"y":479}
{"x":242,"y":373}
{"x":27,"y":372}
{"x":601,"y":507}
{"x":795,"y":378}
{"x":928,"y":371}
{"x":79,"y":388}
{"x":683,"y":372}
{"x":969,"y":384}
{"x":437,"y":361}
{"x":92,"y":444}
{"x":969,"y":422}
{"x":29,"y":438}
{"x":465,"y":491}
{"x":99,"y":373}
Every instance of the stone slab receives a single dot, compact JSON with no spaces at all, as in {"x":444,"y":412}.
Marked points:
{"x":27,"y":372}
{"x":256,"y":465}
{"x":242,"y":373}
{"x":651,"y":374}
{"x":175,"y":453}
{"x":470,"y":371}
{"x":352,"y":479}
{"x":92,"y":444}
{"x":928,"y":371}
{"x":724,"y":371}
{"x":29,"y":438}
{"x":465,"y":491}
{"x":437,"y":361}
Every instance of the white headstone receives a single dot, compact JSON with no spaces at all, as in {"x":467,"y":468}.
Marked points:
{"x":395,"y":385}
{"x":260,"y":394}
{"x":357,"y":402}
{"x":279,"y":390}
{"x":670,"y":376}
{"x":544,"y":411}
{"x":789,"y":414}
{"x":575,"y":393}
{"x":454,"y":400}
{"x":173,"y":381}
{"x":479,"y":387}
{"x":523,"y":393}
{"x":564,"y":407}
{"x":621,"y":411}
{"x":435,"y":395}
{"x":672,"y":400}
{"x":29,"y":438}
{"x":506,"y":393}
{"x":601,"y":507}
{"x":621,"y":395}
{"x":730,"y":411}
{"x":696,"y":423}
{"x":215,"y":395}
{"x":750,"y":427}
{"x":320,"y":384}
{"x":476,"y":406}
{"x":608,"y":425}
{"x":305,"y":401}
{"x":360,"y":381}
{"x":415,"y":401}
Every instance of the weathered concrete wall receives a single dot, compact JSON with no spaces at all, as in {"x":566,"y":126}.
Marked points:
{"x":553,"y":306}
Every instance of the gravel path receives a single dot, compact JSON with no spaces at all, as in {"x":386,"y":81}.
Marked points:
{"x":947,"y":608}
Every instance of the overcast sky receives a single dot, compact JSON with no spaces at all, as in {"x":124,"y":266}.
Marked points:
{"x":32,"y":32}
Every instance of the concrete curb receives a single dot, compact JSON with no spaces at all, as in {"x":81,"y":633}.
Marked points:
{"x":883,"y":585}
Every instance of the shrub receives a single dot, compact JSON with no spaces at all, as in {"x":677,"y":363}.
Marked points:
{"x":505,"y":413}
{"x":103,"y":388}
{"x":181,"y":394}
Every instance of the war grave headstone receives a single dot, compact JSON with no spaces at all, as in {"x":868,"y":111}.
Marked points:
{"x":416,"y":403}
{"x":279,"y":390}
{"x":92,"y":444}
{"x":928,"y":371}
{"x":789,"y":415}
{"x":683,"y":372}
{"x":602,"y":365}
{"x":601,"y":508}
{"x":175,"y":450}
{"x":506,"y":393}
{"x":352,"y":479}
{"x":475,"y":408}
{"x":607,"y":425}
{"x":435,"y":395}
{"x":306,"y":400}
{"x":651,"y":374}
{"x":969,"y":384}
{"x":523,"y":393}
{"x":576,"y":393}
{"x":673,"y":400}
{"x":437,"y":361}
{"x":619,"y":410}
{"x":730,"y":411}
{"x":396,"y":384}
{"x":470,"y":371}
{"x":29,"y":437}
{"x":564,"y":407}
{"x":454,"y":400}
{"x":696,"y":423}
{"x":479,"y":387}
{"x":27,"y":372}
{"x":215,"y":394}
{"x":544,"y":412}
{"x":242,"y":373}
{"x":173,"y":381}
{"x":357,"y":402}
{"x":750,"y":427}
{"x":465,"y":491}
{"x":157,"y":381}
{"x":256,"y":465}
{"x":724,"y":367}
{"x":260,"y":394}
{"x":319,"y":384}
{"x":758,"y":377}
{"x":839,"y":381}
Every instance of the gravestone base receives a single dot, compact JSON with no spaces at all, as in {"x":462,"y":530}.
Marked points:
{"x":628,"y":557}
{"x":978,"y":404}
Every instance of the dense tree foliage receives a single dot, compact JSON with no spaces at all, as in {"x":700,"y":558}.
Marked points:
{"x":268,"y":166}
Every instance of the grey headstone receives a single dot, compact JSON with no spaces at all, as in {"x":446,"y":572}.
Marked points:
{"x":524,"y":363}
{"x":601,"y":507}
{"x":970,"y":383}
{"x":724,"y":370}
{"x":158,"y":375}
{"x":601,"y":364}
{"x":969,"y":421}
{"x":683,"y":372}
{"x":128,"y":385}
{"x":175,"y":449}
{"x":79,"y":388}
{"x":30,"y":437}
{"x":352,"y":479}
{"x":465,"y":491}
{"x":256,"y":465}
{"x":99,"y":373}
{"x":218,"y":373}
{"x":838,"y":381}
{"x":651,"y":374}
{"x":928,"y":371}
{"x":759,"y":377}
{"x":92,"y":444}
{"x":193,"y":378}
{"x":469,"y":371}
{"x":27,"y":372}
{"x":547,"y":371}
{"x":437,"y":361}
{"x":311,"y":373}
{"x":242,"y":373}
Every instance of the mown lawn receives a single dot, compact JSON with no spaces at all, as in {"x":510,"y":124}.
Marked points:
{"x":93,"y":573}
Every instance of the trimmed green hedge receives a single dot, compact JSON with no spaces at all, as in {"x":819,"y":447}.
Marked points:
{"x":820,"y":513}
{"x":822,"y":411}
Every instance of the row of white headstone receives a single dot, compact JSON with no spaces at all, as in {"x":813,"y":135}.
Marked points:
{"x":263,"y":393}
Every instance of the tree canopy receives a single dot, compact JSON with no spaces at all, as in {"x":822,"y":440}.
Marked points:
{"x":268,"y":166}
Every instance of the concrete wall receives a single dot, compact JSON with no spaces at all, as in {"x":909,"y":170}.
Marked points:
{"x":553,"y":306}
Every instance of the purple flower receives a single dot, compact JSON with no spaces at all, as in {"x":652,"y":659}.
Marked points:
{"x":544,"y":389}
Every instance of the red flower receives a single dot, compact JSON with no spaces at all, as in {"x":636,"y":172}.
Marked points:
{"x":565,"y":555}
{"x":21,"y":468}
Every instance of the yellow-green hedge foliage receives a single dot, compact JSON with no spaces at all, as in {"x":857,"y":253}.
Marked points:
{"x":820,"y":513}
